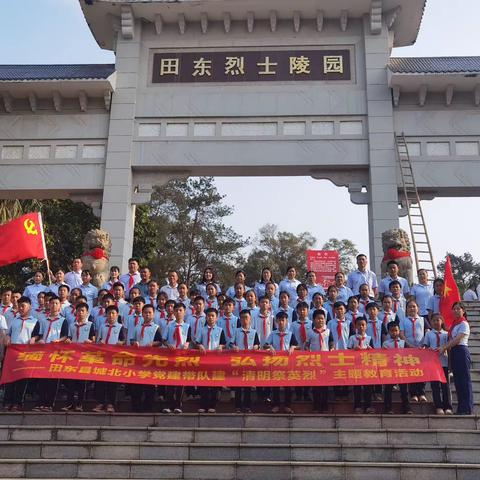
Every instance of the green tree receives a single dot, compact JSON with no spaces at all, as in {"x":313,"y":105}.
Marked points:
{"x":184,"y":223}
{"x":65,"y":225}
{"x":347,"y":251}
{"x":278,"y":250}
{"x":465,"y":269}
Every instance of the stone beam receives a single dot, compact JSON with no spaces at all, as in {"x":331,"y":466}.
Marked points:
{"x":158,"y":24}
{"x":376,"y":17}
{"x":204,"y":22}
{"x":83,"y":101}
{"x":343,"y":20}
{"x":7,"y":102}
{"x":227,"y":21}
{"x":127,"y":20}
{"x":57,"y":101}
{"x":320,"y":18}
{"x":250,"y":21}
{"x":273,"y":20}
{"x":296,"y":21}
{"x":182,"y":23}
{"x":32,"y":100}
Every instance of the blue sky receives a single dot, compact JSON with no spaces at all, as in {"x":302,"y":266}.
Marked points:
{"x":54,"y":31}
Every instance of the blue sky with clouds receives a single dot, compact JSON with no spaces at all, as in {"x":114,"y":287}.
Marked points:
{"x":54,"y":31}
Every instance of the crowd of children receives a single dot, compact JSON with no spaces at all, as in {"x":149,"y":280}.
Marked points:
{"x":133,"y":309}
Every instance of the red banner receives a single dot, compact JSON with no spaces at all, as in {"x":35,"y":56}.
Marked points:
{"x":22,"y":238}
{"x":156,"y":366}
{"x":325,"y":264}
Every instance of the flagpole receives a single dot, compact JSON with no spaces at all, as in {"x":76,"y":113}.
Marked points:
{"x":44,"y":247}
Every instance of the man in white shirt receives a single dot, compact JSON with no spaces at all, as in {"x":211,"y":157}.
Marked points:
{"x":171,"y":289}
{"x":74,"y":278}
{"x":132,"y":277}
{"x":33,"y":290}
{"x":362,"y":275}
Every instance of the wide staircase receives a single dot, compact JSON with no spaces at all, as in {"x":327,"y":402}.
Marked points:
{"x":303,"y":446}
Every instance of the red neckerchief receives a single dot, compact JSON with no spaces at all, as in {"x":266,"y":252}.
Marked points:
{"x":456,"y":322}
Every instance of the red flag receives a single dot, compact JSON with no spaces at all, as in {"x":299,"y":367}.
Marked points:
{"x":450,"y":295}
{"x":22,"y":238}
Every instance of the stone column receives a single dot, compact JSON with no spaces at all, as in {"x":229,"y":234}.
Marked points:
{"x":118,"y":213}
{"x":383,"y":193}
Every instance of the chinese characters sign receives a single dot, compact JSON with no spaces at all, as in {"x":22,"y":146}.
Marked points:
{"x":236,"y":369}
{"x":325,"y":263}
{"x":251,"y":66}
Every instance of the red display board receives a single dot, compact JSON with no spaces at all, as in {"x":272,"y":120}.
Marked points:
{"x":325,"y":264}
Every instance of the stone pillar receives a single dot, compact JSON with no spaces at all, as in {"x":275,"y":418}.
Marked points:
{"x":118,"y":213}
{"x":382,"y":188}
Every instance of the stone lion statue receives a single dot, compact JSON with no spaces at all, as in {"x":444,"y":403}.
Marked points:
{"x":396,"y":246}
{"x":96,"y":247}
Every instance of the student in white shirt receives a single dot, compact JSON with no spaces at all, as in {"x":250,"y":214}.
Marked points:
{"x":59,"y":280}
{"x":260,"y":286}
{"x":470,"y":295}
{"x":208,"y":277}
{"x":344,"y":293}
{"x":421,"y":292}
{"x":392,"y":268}
{"x":114,"y":278}
{"x":312,"y":285}
{"x":239,"y":278}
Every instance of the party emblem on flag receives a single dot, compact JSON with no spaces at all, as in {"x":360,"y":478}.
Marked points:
{"x":22,"y":238}
{"x":30,"y":227}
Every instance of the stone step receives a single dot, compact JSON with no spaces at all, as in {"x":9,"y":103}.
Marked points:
{"x":236,"y":470}
{"x":318,"y":451}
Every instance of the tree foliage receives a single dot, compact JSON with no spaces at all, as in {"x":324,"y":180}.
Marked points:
{"x":278,"y":250}
{"x":347,"y":251}
{"x":65,"y":224}
{"x":183,"y":228}
{"x":465,"y":269}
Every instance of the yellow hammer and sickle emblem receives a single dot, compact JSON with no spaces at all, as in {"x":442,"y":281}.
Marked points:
{"x":30,"y":227}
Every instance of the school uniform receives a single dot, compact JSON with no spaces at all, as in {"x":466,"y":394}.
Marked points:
{"x":313,"y":289}
{"x":130,"y":323}
{"x":274,"y":304}
{"x":362,"y":394}
{"x":78,"y":333}
{"x":399,"y":305}
{"x":109,"y":285}
{"x":328,"y":306}
{"x":363,"y":302}
{"x":64,"y":306}
{"x":376,"y":330}
{"x":211,"y":338}
{"x":202,"y":289}
{"x":186,"y":301}
{"x":124,"y":308}
{"x":229,"y":326}
{"x":324,"y":310}
{"x":263,"y":324}
{"x":387,"y":398}
{"x":129,"y":280}
{"x":384,"y":286}
{"x":259,"y":289}
{"x":300,"y":300}
{"x":289,"y":311}
{"x":433,"y":305}
{"x":470,"y":296}
{"x":344,"y":293}
{"x":461,"y":364}
{"x":54,"y":287}
{"x":151,"y":301}
{"x":289,"y":286}
{"x":20,"y":331}
{"x":143,"y":395}
{"x":357,"y":278}
{"x":240,"y":304}
{"x":300,"y":330}
{"x":442,"y":397}
{"x":341,"y":331}
{"x":196,"y":322}
{"x":91,"y":292}
{"x":230,"y":293}
{"x":352,"y":316}
{"x":244,"y":340}
{"x":211,"y":303}
{"x":281,"y":342}
{"x":414,"y":331}
{"x":32,"y":292}
{"x":106,"y":392}
{"x":178,"y":335}
{"x":319,"y":340}
{"x":38,"y":312}
{"x":50,"y":329}
{"x":387,"y":317}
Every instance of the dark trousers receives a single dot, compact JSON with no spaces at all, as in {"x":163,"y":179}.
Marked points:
{"x":106,"y":392}
{"x":243,"y":397}
{"x":142,"y":397}
{"x":15,"y":392}
{"x":442,"y":397}
{"x":417,"y":389}
{"x":287,"y":392}
{"x":208,"y":397}
{"x":461,"y":363}
{"x":387,"y":400}
{"x":340,"y":391}
{"x":175,"y":397}
{"x":47,"y":391}
{"x":320,"y":399}
{"x":78,"y":387}
{"x":362,"y":396}
{"x":302,"y":393}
